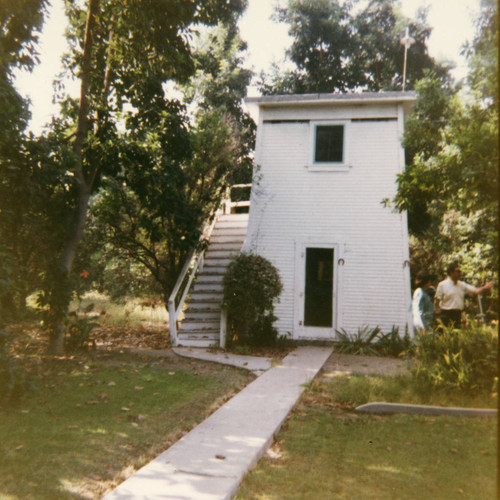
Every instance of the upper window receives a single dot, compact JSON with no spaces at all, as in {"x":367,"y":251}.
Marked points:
{"x":328,"y":146}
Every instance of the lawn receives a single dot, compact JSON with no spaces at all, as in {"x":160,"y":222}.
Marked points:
{"x":326,"y":451}
{"x":93,"y":420}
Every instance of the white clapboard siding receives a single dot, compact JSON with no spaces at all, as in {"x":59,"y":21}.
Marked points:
{"x":293,"y":207}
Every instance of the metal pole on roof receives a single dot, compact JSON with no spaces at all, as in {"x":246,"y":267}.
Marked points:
{"x":407,"y":41}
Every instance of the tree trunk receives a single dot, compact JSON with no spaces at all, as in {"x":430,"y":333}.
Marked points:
{"x":75,"y":230}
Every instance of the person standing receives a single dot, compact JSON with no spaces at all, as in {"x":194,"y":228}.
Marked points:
{"x":422,"y":304}
{"x":450,"y":295}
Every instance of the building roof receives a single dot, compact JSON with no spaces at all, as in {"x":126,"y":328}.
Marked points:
{"x":347,"y":98}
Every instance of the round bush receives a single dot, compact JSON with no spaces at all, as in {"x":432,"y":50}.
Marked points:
{"x":251,"y":285}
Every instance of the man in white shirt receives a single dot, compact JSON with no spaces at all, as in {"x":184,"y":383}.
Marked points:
{"x":450,"y":295}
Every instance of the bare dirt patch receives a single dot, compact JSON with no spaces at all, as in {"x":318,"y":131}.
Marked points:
{"x":339,"y":363}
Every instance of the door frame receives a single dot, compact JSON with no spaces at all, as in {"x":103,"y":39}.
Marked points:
{"x":300,"y":331}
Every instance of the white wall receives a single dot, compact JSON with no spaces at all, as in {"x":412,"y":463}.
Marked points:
{"x":293,"y":207}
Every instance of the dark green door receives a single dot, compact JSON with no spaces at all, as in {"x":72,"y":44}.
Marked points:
{"x":318,"y":305}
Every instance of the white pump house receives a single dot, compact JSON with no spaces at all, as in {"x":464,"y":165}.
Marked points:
{"x":325,"y":163}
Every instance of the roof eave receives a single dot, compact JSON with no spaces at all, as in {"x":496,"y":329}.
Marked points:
{"x":352,"y":98}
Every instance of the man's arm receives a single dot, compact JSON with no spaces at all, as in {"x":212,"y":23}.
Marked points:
{"x":481,"y":289}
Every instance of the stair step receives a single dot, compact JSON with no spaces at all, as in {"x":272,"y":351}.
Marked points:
{"x":234,"y":246}
{"x":206,"y":294}
{"x":197,"y":342}
{"x":203,"y":305}
{"x":216,"y":261}
{"x":207,"y":286}
{"x":215,"y":270}
{"x":209,"y":278}
{"x":228,"y":238}
{"x":233,"y":217}
{"x":202,"y":314}
{"x":205,"y":300}
{"x":212,"y":333}
{"x":221,"y":254}
{"x":202,"y":325}
{"x":230,"y":223}
{"x":233,"y":232}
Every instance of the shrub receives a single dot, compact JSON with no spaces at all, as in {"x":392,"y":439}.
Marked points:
{"x":372,"y":342}
{"x":361,"y":343}
{"x":458,"y":358}
{"x":79,"y":328}
{"x":251,"y":285}
{"x":392,"y":344}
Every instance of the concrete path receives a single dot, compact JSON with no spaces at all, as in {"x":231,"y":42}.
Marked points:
{"x":210,"y":462}
{"x":392,"y":408}
{"x":252,"y":363}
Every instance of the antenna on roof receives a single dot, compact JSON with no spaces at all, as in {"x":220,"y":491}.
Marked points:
{"x":407,"y":41}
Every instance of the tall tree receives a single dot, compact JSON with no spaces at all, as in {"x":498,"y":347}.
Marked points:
{"x":123,"y":53}
{"x":166,"y":196}
{"x":338,"y":48}
{"x":20,"y":25}
{"x":450,"y":185}
{"x":218,"y":88}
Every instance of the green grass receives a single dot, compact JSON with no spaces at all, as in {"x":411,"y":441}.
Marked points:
{"x":325,"y":451}
{"x":92,"y":422}
{"x":360,"y":389}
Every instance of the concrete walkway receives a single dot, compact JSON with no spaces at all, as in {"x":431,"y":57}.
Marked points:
{"x":255,"y":364}
{"x":393,"y":408}
{"x":210,"y":462}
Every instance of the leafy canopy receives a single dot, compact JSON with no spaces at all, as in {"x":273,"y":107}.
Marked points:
{"x":338,"y":47}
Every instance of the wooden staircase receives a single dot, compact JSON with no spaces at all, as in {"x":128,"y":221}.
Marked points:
{"x":201,"y":326}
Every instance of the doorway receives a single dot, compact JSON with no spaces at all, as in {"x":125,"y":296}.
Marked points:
{"x":319,"y":281}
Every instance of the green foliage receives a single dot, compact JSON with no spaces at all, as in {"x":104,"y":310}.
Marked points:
{"x":465,"y":359}
{"x":372,"y":342}
{"x":20,"y":25}
{"x":123,"y":129}
{"x":336,"y":48}
{"x":392,"y":344}
{"x":450,"y":184}
{"x":361,"y":342}
{"x":218,"y":88}
{"x":251,"y":285}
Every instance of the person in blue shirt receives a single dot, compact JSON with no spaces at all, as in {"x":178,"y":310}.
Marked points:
{"x":423,"y":303}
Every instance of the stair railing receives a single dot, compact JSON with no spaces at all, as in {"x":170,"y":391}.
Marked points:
{"x":229,"y":204}
{"x":195,"y":262}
